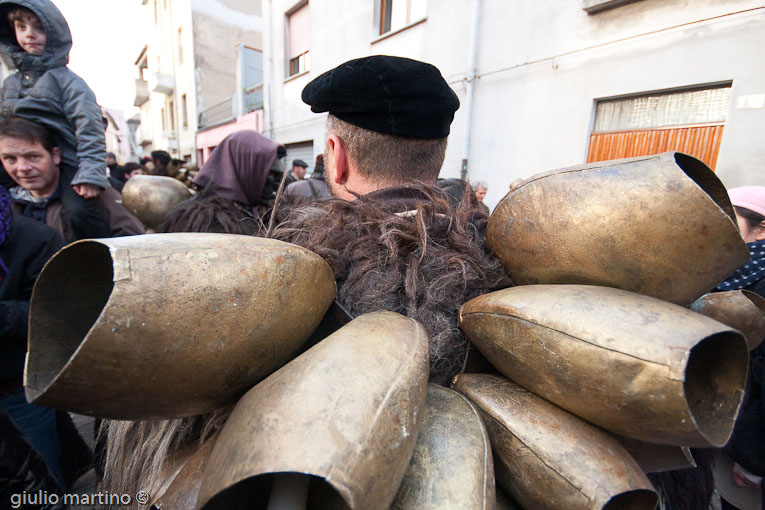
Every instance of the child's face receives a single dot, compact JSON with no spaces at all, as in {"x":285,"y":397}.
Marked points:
{"x":30,"y":34}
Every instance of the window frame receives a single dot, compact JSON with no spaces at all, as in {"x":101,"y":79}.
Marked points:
{"x":301,"y":62}
{"x":184,"y":111}
{"x":180,"y":45}
{"x":380,"y":18}
{"x":171,"y":113}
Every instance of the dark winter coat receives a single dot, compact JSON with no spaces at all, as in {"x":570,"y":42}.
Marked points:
{"x":21,"y":468}
{"x":747,"y":446}
{"x":29,"y":245}
{"x":109,"y":204}
{"x":307,"y":190}
{"x":47,"y":92}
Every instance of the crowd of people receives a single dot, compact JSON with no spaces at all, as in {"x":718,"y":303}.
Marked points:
{"x":396,"y":236}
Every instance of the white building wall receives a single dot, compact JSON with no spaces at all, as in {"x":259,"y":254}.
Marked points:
{"x":162,"y":58}
{"x":210,"y":30}
{"x":185,"y":78}
{"x":541,"y":65}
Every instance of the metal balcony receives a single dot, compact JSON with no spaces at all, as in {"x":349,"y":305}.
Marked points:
{"x":141,"y":92}
{"x":162,"y":83}
{"x":220,"y":113}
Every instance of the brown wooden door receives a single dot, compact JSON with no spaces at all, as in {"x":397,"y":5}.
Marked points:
{"x":702,"y":142}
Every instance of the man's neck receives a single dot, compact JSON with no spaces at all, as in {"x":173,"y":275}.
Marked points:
{"x":47,"y":192}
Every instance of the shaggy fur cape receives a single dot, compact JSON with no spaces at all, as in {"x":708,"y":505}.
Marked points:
{"x":407,"y":249}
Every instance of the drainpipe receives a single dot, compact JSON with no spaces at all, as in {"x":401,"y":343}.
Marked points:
{"x":469,"y":93}
{"x":176,"y":107}
{"x":240,"y":82}
{"x":268,"y":118}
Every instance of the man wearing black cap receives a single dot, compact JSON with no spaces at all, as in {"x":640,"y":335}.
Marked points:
{"x":297,"y":173}
{"x":393,"y":239}
{"x":308,"y":190}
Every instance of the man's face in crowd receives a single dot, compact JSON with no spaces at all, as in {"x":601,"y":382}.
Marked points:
{"x":298,"y":171}
{"x":110,"y":160}
{"x":480,"y":193}
{"x":31,"y":165}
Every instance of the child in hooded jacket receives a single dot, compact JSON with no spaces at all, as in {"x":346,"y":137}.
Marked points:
{"x":36,"y":38}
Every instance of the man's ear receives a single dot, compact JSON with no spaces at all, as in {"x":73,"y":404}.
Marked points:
{"x":338,"y":160}
{"x":759,"y":231}
{"x":56,"y":153}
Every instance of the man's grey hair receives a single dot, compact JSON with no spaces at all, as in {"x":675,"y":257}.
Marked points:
{"x":389,"y":159}
{"x":481,"y":184}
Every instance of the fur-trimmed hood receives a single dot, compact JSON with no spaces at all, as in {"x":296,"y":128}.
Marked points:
{"x":58,"y":37}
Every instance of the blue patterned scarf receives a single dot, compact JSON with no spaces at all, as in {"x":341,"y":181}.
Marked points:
{"x":751,"y":272}
{"x":6,"y":217}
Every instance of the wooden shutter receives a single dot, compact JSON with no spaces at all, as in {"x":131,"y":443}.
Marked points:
{"x":689,"y":121}
{"x":702,"y":142}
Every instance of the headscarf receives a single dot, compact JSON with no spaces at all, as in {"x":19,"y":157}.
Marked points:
{"x":752,"y":198}
{"x":238,"y":167}
{"x":6,"y":218}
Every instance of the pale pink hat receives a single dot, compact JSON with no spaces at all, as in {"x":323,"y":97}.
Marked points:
{"x":749,"y":197}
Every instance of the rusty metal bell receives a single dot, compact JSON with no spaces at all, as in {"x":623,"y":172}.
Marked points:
{"x":149,"y":197}
{"x":548,"y":458}
{"x":627,"y":223}
{"x":634,"y":365}
{"x":346,"y":413}
{"x":107,"y":338}
{"x":656,"y":458}
{"x":739,"y":309}
{"x":453,"y":434}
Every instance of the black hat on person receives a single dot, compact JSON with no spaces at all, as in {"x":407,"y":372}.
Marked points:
{"x":300,"y":162}
{"x":391,"y":95}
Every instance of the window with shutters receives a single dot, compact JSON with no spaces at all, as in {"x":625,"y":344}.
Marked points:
{"x":396,"y":14}
{"x":689,"y":121}
{"x":171,"y":114}
{"x":180,"y":45}
{"x":184,"y":112}
{"x":298,"y":39}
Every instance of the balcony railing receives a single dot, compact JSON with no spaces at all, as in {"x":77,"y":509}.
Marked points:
{"x":253,"y":98}
{"x":227,"y":110}
{"x":218,"y":114}
{"x":162,"y":83}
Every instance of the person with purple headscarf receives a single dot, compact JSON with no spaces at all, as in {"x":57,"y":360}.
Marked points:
{"x":233,"y":179}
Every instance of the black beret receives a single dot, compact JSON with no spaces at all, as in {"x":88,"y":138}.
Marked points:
{"x":299,"y":162}
{"x":391,"y":95}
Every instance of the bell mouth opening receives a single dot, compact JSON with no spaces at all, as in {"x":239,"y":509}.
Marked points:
{"x":638,"y":499}
{"x":756,"y":300}
{"x":715,"y":377}
{"x":256,"y":492}
{"x":70,"y":293}
{"x":707,"y":180}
